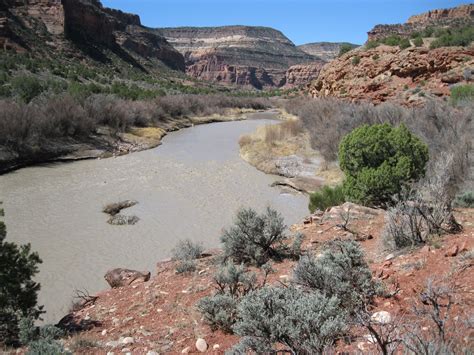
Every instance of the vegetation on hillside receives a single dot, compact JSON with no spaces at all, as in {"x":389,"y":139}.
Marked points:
{"x":443,"y":37}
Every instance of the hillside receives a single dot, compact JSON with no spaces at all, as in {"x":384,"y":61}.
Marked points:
{"x":327,"y":51}
{"x":161,"y":315}
{"x":249,"y":56}
{"x":83,"y":48}
{"x":76,"y":26}
{"x":407,"y":63}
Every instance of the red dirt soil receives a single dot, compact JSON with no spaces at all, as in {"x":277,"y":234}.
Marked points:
{"x":161,"y":315}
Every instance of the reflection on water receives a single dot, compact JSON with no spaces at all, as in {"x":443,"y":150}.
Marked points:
{"x":190,"y":187}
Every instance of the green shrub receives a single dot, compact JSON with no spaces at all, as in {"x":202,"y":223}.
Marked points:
{"x":355,"y":60}
{"x":40,"y":340}
{"x":186,"y":252}
{"x":219,"y":311}
{"x":345,"y":47}
{"x":461,"y":93}
{"x":379,"y":160}
{"x":404,"y":43}
{"x":418,"y":41}
{"x":27,"y":87}
{"x":371,"y":44}
{"x":341,"y":272}
{"x":232,"y":283}
{"x":465,"y":200}
{"x":186,"y":266}
{"x":326,"y":197}
{"x":453,"y":37}
{"x":299,"y":322}
{"x":255,"y":239}
{"x":18,"y":291}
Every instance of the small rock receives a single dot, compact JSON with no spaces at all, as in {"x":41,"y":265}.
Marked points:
{"x":388,"y":263}
{"x":284,"y":278}
{"x":112,"y":344}
{"x":201,"y":272}
{"x":381,"y":317}
{"x":110,"y":353}
{"x":104,"y":332}
{"x":389,"y":257}
{"x":152,"y":353}
{"x":216,"y":347}
{"x":453,"y":251}
{"x":186,"y":350}
{"x":126,"y":350}
{"x":128,"y":340}
{"x":425,"y":249}
{"x":201,"y":345}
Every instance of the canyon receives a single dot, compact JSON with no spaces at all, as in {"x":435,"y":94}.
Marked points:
{"x":256,"y":57}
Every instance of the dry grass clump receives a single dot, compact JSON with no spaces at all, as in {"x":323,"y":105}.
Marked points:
{"x":282,"y":131}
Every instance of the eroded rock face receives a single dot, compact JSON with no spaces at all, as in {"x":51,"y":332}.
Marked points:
{"x":326,"y":51}
{"x":125,"y":277}
{"x":453,"y":17}
{"x":463,"y":11}
{"x":249,"y":56}
{"x":409,"y":76}
{"x":388,"y":73}
{"x":302,"y":74}
{"x":33,"y":24}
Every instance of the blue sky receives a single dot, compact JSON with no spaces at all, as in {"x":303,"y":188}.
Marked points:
{"x":302,"y":21}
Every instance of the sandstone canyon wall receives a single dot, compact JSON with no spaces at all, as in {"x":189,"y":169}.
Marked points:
{"x":258,"y":57}
{"x":49,"y":25}
{"x":327,"y":51}
{"x":453,"y":17}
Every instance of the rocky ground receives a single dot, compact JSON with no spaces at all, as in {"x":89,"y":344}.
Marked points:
{"x":408,"y":76}
{"x":159,"y":316}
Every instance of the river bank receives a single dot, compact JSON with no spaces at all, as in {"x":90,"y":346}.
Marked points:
{"x":195,"y":178}
{"x":104,"y":143}
{"x":284,"y":149}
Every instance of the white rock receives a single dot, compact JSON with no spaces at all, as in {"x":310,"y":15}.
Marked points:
{"x":152,"y":353}
{"x":186,"y":350}
{"x":110,"y":353}
{"x":128,"y":340}
{"x":201,"y":345}
{"x":104,"y":332}
{"x":389,"y":257}
{"x":381,"y":317}
{"x":216,"y":347}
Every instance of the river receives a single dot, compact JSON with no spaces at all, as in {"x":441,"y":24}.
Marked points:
{"x":189,"y":187}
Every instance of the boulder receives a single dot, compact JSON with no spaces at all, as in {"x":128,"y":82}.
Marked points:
{"x":125,"y":277}
{"x":381,"y":317}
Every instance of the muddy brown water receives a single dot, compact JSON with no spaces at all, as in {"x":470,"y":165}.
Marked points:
{"x":189,"y":187}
